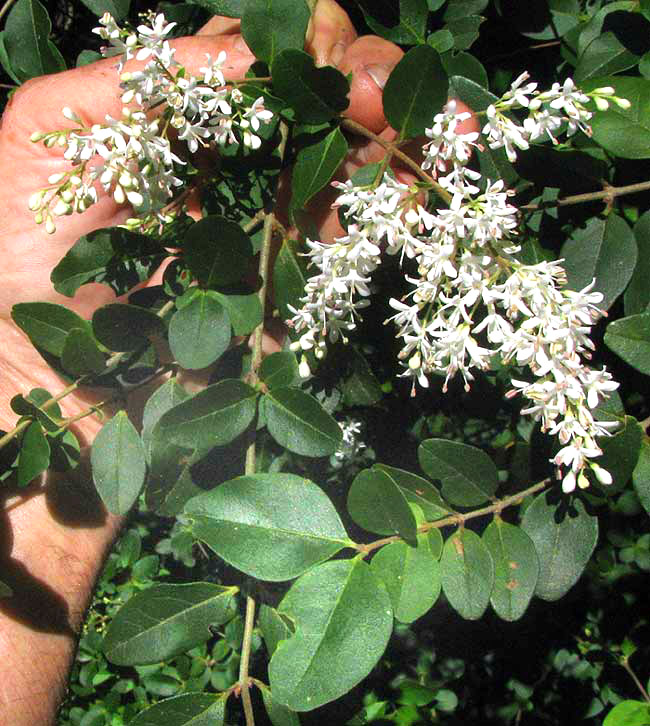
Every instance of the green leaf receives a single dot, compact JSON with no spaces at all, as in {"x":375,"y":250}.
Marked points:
{"x":411,"y":576}
{"x":605,"y":55}
{"x":441,"y":41}
{"x":343,"y":621}
{"x":166,"y":620}
{"x":417,"y":490}
{"x":621,"y":453}
{"x":244,"y":311}
{"x":467,"y":66}
{"x":516,"y":568}
{"x":288,"y":278}
{"x":5,"y":61}
{"x":641,"y":476}
{"x":299,"y":423}
{"x":564,"y":535}
{"x":377,"y":504}
{"x":217,"y":251}
{"x":46,"y":324}
{"x":27,"y":43}
{"x":623,"y":132}
{"x":629,"y":713}
{"x":467,"y":572}
{"x":412,"y":24}
{"x":115,"y":257}
{"x":605,"y":250}
{"x":273,"y":626}
{"x":32,"y":406}
{"x":80,"y":354}
{"x":229,"y":8}
{"x":278,"y":714}
{"x":164,"y":398}
{"x":118,"y":464}
{"x":315,"y":94}
{"x":117,"y":8}
{"x":170,"y":484}
{"x":213,"y":417}
{"x":266,"y":28}
{"x":34,"y":457}
{"x":279,"y":369}
{"x":315,"y":167}
{"x":188,"y":709}
{"x":415,"y":91}
{"x":629,"y":338}
{"x":637,"y":295}
{"x":5,"y":590}
{"x":360,"y":387}
{"x":468,"y":475}
{"x":270,"y":526}
{"x":126,"y":327}
{"x":199,"y":333}
{"x":465,"y":30}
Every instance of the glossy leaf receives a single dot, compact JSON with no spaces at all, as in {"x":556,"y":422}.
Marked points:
{"x":605,"y":55}
{"x":126,"y":327}
{"x":47,"y":324}
{"x":623,"y":132}
{"x":118,"y":464}
{"x":273,"y":626}
{"x":266,"y":29}
{"x":464,"y":30}
{"x":343,"y":620}
{"x":417,"y":490}
{"x":299,"y":423}
{"x":315,"y":166}
{"x":270,"y":526}
{"x":315,"y":94}
{"x":629,"y":338}
{"x":415,"y":91}
{"x":288,"y":278}
{"x":278,"y":714}
{"x":81,"y":354}
{"x":411,"y":27}
{"x":637,"y":295}
{"x":164,"y":398}
{"x":117,"y":8}
{"x":27,"y":44}
{"x":279,"y":369}
{"x":564,"y":535}
{"x":411,"y":576}
{"x":213,"y":417}
{"x":217,"y":251}
{"x":165,"y":620}
{"x":467,"y":572}
{"x":229,"y":8}
{"x":377,"y":504}
{"x":629,"y":713}
{"x":188,"y":709}
{"x":244,"y":311}
{"x":115,"y":257}
{"x":605,"y":250}
{"x":516,"y":568}
{"x":468,"y":475}
{"x":34,"y":457}
{"x":199,"y":333}
{"x":641,"y":476}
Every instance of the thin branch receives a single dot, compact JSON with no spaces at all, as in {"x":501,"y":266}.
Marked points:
{"x":5,"y":8}
{"x":626,"y":664}
{"x":458,"y":518}
{"x":607,"y":193}
{"x":244,"y":681}
{"x":399,"y":154}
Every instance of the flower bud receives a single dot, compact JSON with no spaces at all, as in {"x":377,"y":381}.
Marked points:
{"x":136,"y":199}
{"x":601,"y":103}
{"x":61,"y":208}
{"x":37,"y":136}
{"x":603,"y":476}
{"x":303,"y":369}
{"x":56,"y":178}
{"x":35,"y":201}
{"x":70,"y":114}
{"x":622,"y":103}
{"x":118,"y":194}
{"x":50,"y":227}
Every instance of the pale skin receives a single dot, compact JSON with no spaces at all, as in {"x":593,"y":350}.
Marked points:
{"x":55,"y":535}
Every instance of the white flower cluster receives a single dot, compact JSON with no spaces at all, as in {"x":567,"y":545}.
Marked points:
{"x":131,"y":157}
{"x":351,"y":444}
{"x":472,"y":302}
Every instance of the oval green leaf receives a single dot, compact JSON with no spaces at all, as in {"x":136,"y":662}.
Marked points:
{"x":418,"y":490}
{"x":278,"y":714}
{"x":629,"y":713}
{"x":565,"y":536}
{"x":270,"y":526}
{"x":126,"y":327}
{"x":47,"y":325}
{"x":411,"y":576}
{"x":467,"y":574}
{"x":468,"y":475}
{"x":188,"y":709}
{"x":415,"y":91}
{"x":80,"y":354}
{"x":279,"y":369}
{"x":166,"y":620}
{"x":516,"y":568}
{"x":629,"y":338}
{"x":288,"y":278}
{"x":199,"y":333}
{"x":164,"y":398}
{"x":343,"y":621}
{"x":377,"y":504}
{"x":118,"y":464}
{"x":245,"y":311}
{"x":641,"y":476}
{"x":271,"y":26}
{"x":299,"y":423}
{"x":637,"y":295}
{"x":34,"y":457}
{"x":213,"y":417}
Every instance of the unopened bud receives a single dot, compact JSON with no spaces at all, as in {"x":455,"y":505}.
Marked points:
{"x":70,"y":114}
{"x":118,"y":194}
{"x":603,"y":476}
{"x":50,"y":227}
{"x":55,"y":178}
{"x":622,"y":103}
{"x":35,"y":201}
{"x":128,"y":96}
{"x":135,"y":198}
{"x":37,"y":136}
{"x":303,"y":369}
{"x":61,"y":209}
{"x":601,"y":103}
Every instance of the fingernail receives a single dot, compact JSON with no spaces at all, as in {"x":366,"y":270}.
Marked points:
{"x":379,"y":73}
{"x":337,"y":52}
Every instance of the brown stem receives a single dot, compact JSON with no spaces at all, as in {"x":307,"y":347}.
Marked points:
{"x":244,"y":681}
{"x":458,"y":518}
{"x":398,"y":153}
{"x":607,"y":193}
{"x":626,"y":664}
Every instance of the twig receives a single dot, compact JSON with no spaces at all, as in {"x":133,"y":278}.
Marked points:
{"x":5,"y":8}
{"x":625,"y":663}
{"x":458,"y":518}
{"x":244,"y":681}
{"x":608,"y":194}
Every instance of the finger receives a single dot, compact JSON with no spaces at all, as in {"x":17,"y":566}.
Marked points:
{"x":220,"y":25}
{"x":329,"y":34}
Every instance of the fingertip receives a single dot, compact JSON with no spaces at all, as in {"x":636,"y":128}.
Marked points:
{"x":329,"y":34}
